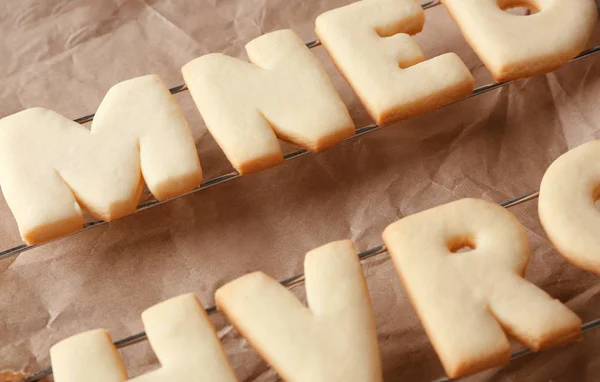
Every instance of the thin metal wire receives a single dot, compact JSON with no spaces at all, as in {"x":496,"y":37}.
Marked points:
{"x":299,"y":279}
{"x":526,"y":351}
{"x":219,"y":179}
{"x":430,"y":4}
{"x":487,"y":88}
{"x":234,"y":174}
{"x":309,"y":45}
{"x":520,"y":199}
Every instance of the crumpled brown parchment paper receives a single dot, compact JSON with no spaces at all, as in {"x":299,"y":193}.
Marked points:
{"x":64,"y":55}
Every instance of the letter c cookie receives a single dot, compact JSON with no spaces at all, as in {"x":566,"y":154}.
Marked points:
{"x":566,"y":206}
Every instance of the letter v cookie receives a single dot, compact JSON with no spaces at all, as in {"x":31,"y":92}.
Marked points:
{"x":467,"y":301}
{"x":332,"y":340}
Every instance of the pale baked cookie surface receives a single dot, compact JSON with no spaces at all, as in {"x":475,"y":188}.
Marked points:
{"x":515,"y":46}
{"x":466,"y":301}
{"x":283,"y":93}
{"x":566,"y":205}
{"x":334,"y":340}
{"x":370,"y":43}
{"x":180,"y":334}
{"x":50,"y":165}
{"x":89,"y":356}
{"x":185,"y":343}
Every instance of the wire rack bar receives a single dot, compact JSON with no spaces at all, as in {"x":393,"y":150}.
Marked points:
{"x":234,"y":174}
{"x":219,"y":179}
{"x":299,"y":279}
{"x":183,"y":87}
{"x":525,"y":351}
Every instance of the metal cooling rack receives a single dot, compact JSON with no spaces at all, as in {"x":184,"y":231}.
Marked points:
{"x":234,"y":174}
{"x":298,"y":279}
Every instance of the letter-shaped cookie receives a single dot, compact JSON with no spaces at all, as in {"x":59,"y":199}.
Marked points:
{"x":334,"y":340}
{"x":88,"y":356}
{"x":467,"y":300}
{"x":566,"y":206}
{"x":284,"y":93}
{"x":370,"y":43}
{"x":50,"y":165}
{"x":513,"y":46}
{"x":185,"y":343}
{"x":180,"y":334}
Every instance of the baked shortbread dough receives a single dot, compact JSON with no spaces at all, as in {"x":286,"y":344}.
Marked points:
{"x":180,"y":333}
{"x":370,"y":43}
{"x":185,"y":343}
{"x":284,"y":93}
{"x":88,"y":356}
{"x":566,"y":205}
{"x":334,"y":340}
{"x":50,"y":165}
{"x":467,"y":300}
{"x":514,"y":46}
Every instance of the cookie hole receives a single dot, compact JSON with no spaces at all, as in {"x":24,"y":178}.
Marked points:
{"x":518,"y":7}
{"x":461,"y":245}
